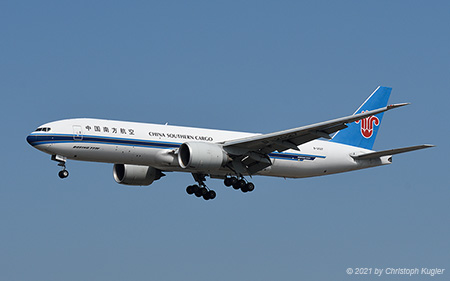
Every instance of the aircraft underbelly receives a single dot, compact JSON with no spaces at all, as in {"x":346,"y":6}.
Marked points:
{"x":114,"y":154}
{"x":311,"y":168}
{"x":166,"y":160}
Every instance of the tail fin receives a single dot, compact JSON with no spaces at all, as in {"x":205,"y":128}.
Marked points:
{"x":363,"y":132}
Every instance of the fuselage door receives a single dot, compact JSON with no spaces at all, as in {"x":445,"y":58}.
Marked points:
{"x":77,"y":133}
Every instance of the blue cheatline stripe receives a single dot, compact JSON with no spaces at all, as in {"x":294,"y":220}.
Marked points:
{"x":36,"y":139}
{"x":60,"y":138}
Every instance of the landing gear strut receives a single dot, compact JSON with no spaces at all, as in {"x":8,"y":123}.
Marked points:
{"x":62,"y":163}
{"x":200,"y":189}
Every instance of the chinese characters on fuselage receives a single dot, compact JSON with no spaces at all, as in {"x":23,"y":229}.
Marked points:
{"x":110,"y":130}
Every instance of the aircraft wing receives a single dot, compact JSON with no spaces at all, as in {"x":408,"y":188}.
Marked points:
{"x":250,"y":155}
{"x":290,"y":139}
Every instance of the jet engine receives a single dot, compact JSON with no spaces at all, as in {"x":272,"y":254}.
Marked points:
{"x":135,"y":174}
{"x":201,"y":156}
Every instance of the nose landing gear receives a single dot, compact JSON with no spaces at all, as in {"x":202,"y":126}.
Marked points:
{"x":62,"y":163}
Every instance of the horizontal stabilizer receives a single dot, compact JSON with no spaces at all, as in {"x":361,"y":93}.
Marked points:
{"x":378,"y":154}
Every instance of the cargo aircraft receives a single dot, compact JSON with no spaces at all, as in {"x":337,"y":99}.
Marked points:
{"x":142,"y":153}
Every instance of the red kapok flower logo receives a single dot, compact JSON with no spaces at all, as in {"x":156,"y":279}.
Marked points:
{"x":367,"y":125}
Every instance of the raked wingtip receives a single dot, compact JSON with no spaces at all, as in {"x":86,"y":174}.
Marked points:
{"x":391,"y":106}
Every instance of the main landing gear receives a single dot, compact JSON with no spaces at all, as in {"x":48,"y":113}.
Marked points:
{"x":62,"y":163}
{"x":201,"y":190}
{"x":241,"y":184}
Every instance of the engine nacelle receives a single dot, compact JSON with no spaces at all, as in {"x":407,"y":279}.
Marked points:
{"x":201,"y":156}
{"x":135,"y":175}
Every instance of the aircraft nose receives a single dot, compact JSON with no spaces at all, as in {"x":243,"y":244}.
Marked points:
{"x":31,"y":139}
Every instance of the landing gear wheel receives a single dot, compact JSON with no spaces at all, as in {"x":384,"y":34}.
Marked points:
{"x":206,"y":196}
{"x":200,"y":189}
{"x":190,"y":190}
{"x":203,"y":191}
{"x":63,"y":174}
{"x":227,"y":182}
{"x":230,"y":181}
{"x":239,"y":184}
{"x":195,"y":188}
{"x":250,"y":186}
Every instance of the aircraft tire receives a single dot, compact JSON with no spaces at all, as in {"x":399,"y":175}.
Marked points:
{"x":203,"y":191}
{"x":190,"y":190}
{"x":239,"y":184}
{"x":212,"y":194}
{"x":250,"y":187}
{"x":227,"y":182}
{"x":63,"y":174}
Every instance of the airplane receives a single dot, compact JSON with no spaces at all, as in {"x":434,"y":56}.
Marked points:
{"x":142,"y":153}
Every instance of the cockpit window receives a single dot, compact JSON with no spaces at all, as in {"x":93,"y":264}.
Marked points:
{"x":45,"y":129}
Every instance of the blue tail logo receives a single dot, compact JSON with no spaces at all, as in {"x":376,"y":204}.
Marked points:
{"x":362,"y":133}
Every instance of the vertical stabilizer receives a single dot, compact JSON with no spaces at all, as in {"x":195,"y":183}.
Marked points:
{"x":363,"y":132}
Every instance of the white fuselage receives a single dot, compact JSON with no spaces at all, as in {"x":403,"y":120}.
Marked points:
{"x":155,"y":145}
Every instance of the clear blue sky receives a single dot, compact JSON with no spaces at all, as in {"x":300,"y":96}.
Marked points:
{"x":258,"y":66}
